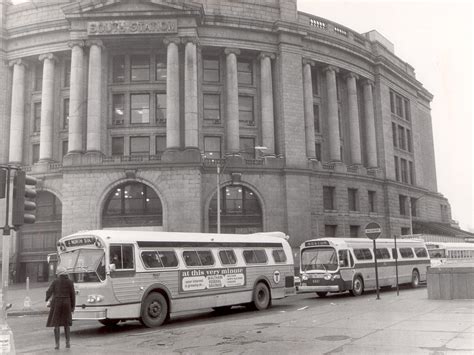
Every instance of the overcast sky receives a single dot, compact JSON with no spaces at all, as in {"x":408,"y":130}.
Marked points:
{"x":435,"y":37}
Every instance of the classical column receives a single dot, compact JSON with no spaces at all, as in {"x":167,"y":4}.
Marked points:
{"x":76,"y":99}
{"x":356,"y":155}
{"x":190,"y":95}
{"x":17,"y":121}
{"x":308,"y":109}
{"x":47,"y":102}
{"x":266,"y":85}
{"x":94,"y":96}
{"x":172,"y":95}
{"x":333,"y":118}
{"x":232,"y":102}
{"x":370,"y":125}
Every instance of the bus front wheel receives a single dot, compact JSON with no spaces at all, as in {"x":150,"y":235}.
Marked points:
{"x":261,"y":297}
{"x":321,"y":294}
{"x":357,"y":287}
{"x":154,"y":310}
{"x":415,"y":279}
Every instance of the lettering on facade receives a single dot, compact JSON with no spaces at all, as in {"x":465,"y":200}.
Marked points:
{"x":131,"y":27}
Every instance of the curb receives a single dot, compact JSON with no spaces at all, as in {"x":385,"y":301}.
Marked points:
{"x":27,"y":313}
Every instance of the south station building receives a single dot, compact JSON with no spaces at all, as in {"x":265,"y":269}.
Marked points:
{"x":131,"y":114}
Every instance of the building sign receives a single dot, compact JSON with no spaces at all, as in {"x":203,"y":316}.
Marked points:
{"x":208,"y":279}
{"x":131,"y":27}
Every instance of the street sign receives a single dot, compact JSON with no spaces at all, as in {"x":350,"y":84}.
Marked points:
{"x":373,"y":230}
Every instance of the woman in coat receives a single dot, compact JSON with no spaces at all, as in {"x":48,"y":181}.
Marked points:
{"x":63,"y":300}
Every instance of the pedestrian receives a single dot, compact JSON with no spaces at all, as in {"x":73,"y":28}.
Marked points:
{"x":62,"y":300}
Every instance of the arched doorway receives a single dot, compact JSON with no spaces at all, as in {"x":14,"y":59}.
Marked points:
{"x":240,"y":211}
{"x":132,"y":205}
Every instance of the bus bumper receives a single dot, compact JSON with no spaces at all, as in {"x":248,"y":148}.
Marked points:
{"x":89,"y":314}
{"x":326,"y":288}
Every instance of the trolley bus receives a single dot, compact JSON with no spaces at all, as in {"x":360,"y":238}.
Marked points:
{"x":144,"y":275}
{"x":348,"y":264}
{"x":442,"y":253}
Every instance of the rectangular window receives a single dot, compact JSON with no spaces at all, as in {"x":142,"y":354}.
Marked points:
{"x":402,"y":200}
{"x":392,"y":102}
{"x":421,"y":253}
{"x":212,"y":147}
{"x":401,"y":138}
{"x":354,"y":231}
{"x":398,"y":106}
{"x":246,"y":110}
{"x":413,"y":206}
{"x":198,"y":258}
{"x":122,"y":256}
{"x":212,"y":107}
{"x":352,"y":199}
{"x":35,"y":153}
{"x":244,"y":73}
{"x":397,"y":169}
{"x":407,"y":109}
{"x":227,"y":257}
{"x":139,"y":145}
{"x":160,"y":66}
{"x":409,"y":141}
{"x":39,"y":76}
{"x":66,"y":114}
{"x":118,"y":108}
{"x":117,"y":145}
{"x":318,"y":151}
{"x":404,"y":170}
{"x":37,"y":117}
{"x":372,"y":201}
{"x":160,"y":108}
{"x":405,"y":231}
{"x":211,"y":69}
{"x":255,"y":256}
{"x":247,"y":147}
{"x":139,"y":68}
{"x":362,"y":254}
{"x":118,"y":69}
{"x":151,"y":260}
{"x":64,"y":147}
{"x":406,"y":253}
{"x":328,"y":198}
{"x":279,"y":255}
{"x":330,"y":230}
{"x":139,"y":108}
{"x":67,"y":73}
{"x":394,"y":134}
{"x":160,"y":145}
{"x":317,"y":121}
{"x":411,"y":173}
{"x":382,"y":253}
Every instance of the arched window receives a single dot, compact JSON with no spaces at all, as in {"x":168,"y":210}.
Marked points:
{"x":130,"y":205}
{"x":240,"y":211}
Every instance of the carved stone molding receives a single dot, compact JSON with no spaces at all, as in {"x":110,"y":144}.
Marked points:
{"x":47,"y":56}
{"x":235,"y":51}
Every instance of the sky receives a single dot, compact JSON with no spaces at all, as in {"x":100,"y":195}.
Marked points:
{"x":435,"y":37}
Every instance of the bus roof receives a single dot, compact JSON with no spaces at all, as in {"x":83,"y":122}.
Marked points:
{"x":365,"y":242}
{"x":450,"y":245}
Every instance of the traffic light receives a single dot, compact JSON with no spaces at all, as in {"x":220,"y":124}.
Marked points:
{"x":24,"y":195}
{"x":3,"y":182}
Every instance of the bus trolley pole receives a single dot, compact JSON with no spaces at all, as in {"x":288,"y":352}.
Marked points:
{"x":396,"y":262}
{"x":376,"y":272}
{"x":218,"y":198}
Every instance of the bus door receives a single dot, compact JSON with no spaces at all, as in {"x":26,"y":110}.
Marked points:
{"x":346,"y":266}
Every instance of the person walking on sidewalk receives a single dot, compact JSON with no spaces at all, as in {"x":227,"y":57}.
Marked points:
{"x":62,"y":303}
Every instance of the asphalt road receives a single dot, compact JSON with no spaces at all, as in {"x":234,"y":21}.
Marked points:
{"x":302,"y":324}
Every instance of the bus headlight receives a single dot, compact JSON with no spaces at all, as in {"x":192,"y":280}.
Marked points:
{"x":327,"y":277}
{"x":94,"y":298}
{"x":304,"y":277}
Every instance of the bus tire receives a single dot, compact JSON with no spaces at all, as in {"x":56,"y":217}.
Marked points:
{"x":221,"y":309}
{"x":321,"y":294}
{"x":154,"y":310}
{"x":357,"y":287}
{"x":415,"y":279}
{"x":261,"y":297}
{"x":109,"y":322}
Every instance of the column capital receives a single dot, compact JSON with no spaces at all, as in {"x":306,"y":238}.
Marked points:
{"x":351,"y":75}
{"x":368,"y":82}
{"x":19,"y":61}
{"x":94,"y":42}
{"x":190,"y":39}
{"x":78,"y":43}
{"x":47,"y":56}
{"x":308,"y":61}
{"x":169,"y":40}
{"x":235,"y":51}
{"x":263,"y":55}
{"x":331,"y":68}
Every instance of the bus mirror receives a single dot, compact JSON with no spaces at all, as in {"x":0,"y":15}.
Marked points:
{"x":112,"y":267}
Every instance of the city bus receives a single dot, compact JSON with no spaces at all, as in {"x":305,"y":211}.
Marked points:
{"x":145,"y":275}
{"x":348,"y":264}
{"x":442,"y":253}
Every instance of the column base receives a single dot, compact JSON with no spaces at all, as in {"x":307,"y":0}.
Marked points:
{"x":72,"y":158}
{"x":92,"y":157}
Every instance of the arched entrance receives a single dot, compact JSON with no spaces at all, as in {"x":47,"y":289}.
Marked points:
{"x":241,"y":212}
{"x":132,"y":205}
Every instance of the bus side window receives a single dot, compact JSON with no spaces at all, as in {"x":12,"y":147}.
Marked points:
{"x":344,"y":258}
{"x":227,"y":257}
{"x":150,"y":259}
{"x":116,"y":256}
{"x":122,"y":256}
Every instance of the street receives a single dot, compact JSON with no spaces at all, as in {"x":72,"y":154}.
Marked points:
{"x":303,"y":324}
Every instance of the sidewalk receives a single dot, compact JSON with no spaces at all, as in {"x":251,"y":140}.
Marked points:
{"x":17,"y":296}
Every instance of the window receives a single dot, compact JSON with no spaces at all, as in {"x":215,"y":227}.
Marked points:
{"x":382,"y":253}
{"x":160,"y":108}
{"x":65,"y":114}
{"x":139,"y":68}
{"x":399,"y":106}
{"x":35,"y":153}
{"x":246,"y":110}
{"x":212,"y":147}
{"x":139,"y":108}
{"x":392,"y":102}
{"x":211,"y":103}
{"x":405,"y":231}
{"x":402,"y":200}
{"x":160,"y":66}
{"x":352,"y":199}
{"x":139,"y":145}
{"x":363,"y":254}
{"x":344,"y":258}
{"x":406,"y":253}
{"x":160,"y":145}
{"x":122,"y":256}
{"x":247,"y":147}
{"x":117,"y":145}
{"x":372,"y":201}
{"x":317,"y":121}
{"x":64,"y":147}
{"x":37,"y":117}
{"x":118,"y":68}
{"x":421,"y":253}
{"x":211,"y":69}
{"x":255,"y":256}
{"x":411,"y":172}
{"x":354,"y":231}
{"x":328,"y":197}
{"x":406,"y":104}
{"x":317,"y":147}
{"x":394,"y":253}
{"x":38,"y":76}
{"x":409,"y":141}
{"x":330,"y":230}
{"x":162,"y":258}
{"x":401,"y":138}
{"x":67,"y":73}
{"x":198,"y":258}
{"x":244,"y":72}
{"x":279,"y":255}
{"x":397,"y":169}
{"x":118,"y":108}
{"x":413,"y":206}
{"x":404,"y":170}
{"x":227,"y":257}
{"x":394,"y":135}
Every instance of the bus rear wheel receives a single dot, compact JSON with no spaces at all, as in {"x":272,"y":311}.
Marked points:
{"x":357,"y":287}
{"x":415,"y":279}
{"x":261,"y":297}
{"x":109,"y":322}
{"x":154,"y":310}
{"x":321,"y":294}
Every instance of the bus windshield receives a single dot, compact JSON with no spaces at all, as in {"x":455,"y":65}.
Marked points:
{"x":324,"y":259}
{"x":437,"y":253}
{"x":84,"y":265}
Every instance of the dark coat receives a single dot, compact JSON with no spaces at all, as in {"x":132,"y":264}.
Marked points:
{"x":63,"y":301}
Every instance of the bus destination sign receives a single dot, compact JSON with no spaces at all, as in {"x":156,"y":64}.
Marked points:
{"x":314,"y":243}
{"x":79,"y":241}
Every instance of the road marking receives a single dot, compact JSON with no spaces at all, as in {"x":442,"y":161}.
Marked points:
{"x":302,"y":308}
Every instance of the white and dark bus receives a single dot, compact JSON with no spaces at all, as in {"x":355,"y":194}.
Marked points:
{"x":450,"y":252}
{"x":126,"y":275}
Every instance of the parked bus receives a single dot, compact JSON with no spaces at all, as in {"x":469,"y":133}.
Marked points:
{"x":347,"y":264}
{"x":441,"y":252}
{"x":144,"y":275}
